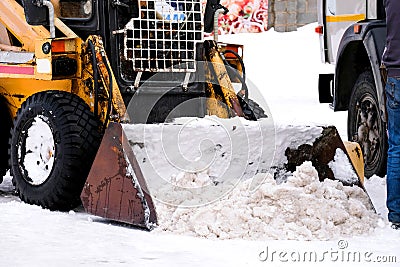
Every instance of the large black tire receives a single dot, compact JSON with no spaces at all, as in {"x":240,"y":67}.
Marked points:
{"x":6,"y":122}
{"x":62,"y":151}
{"x":251,"y":109}
{"x":365,"y":125}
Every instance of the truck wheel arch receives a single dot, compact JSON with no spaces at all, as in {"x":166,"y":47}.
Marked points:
{"x":351,"y":62}
{"x":356,"y":54}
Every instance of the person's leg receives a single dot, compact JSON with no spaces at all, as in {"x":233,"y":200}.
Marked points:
{"x":393,"y":162}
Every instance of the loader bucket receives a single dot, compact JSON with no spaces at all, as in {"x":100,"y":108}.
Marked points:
{"x":324,"y":154}
{"x":115,"y":188}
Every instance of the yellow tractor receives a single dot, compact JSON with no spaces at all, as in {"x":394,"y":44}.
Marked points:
{"x":68,"y":68}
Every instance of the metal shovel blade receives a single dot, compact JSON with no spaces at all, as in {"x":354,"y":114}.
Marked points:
{"x":115,"y":188}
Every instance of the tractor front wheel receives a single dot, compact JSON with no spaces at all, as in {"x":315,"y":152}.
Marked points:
{"x":52,"y":146}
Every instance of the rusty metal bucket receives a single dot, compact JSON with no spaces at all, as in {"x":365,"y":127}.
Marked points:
{"x":115,"y":188}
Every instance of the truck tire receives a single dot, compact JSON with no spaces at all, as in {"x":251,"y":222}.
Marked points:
{"x":52,"y":146}
{"x":6,"y":122}
{"x":365,"y":125}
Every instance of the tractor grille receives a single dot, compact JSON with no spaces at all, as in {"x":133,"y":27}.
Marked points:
{"x":164,"y":37}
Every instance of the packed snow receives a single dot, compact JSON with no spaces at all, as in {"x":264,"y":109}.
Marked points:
{"x":40,"y":150}
{"x":212,"y":151}
{"x":273,"y":224}
{"x":303,"y":208}
{"x":210,"y":180}
{"x":342,"y":168}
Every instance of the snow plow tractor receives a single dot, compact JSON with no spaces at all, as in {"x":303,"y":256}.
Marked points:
{"x":68,"y":69}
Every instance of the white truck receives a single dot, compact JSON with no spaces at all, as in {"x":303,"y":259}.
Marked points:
{"x":352,"y":37}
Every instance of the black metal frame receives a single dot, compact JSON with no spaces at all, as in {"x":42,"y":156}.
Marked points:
{"x":106,"y":20}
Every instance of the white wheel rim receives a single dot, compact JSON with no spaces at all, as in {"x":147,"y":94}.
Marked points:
{"x":39,"y":155}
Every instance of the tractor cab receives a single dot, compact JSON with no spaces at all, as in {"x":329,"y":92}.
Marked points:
{"x":152,"y":46}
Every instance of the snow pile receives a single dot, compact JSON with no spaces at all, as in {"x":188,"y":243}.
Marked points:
{"x":302,"y":208}
{"x":342,"y":168}
{"x":225,"y":150}
{"x":218,"y":183}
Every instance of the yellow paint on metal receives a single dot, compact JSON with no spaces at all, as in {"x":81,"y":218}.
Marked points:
{"x":42,"y":56}
{"x":17,"y":90}
{"x":19,"y":81}
{"x":224,"y":102}
{"x":117,"y":100}
{"x":118,"y":106}
{"x":222,"y":76}
{"x":356,"y":156}
{"x":345,"y":17}
{"x":215,"y":103}
{"x":12,"y":16}
{"x":64,"y":28}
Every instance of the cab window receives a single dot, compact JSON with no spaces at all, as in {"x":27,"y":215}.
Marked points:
{"x":75,"y":9}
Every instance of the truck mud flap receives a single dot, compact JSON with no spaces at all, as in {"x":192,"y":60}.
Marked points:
{"x":325,"y":86}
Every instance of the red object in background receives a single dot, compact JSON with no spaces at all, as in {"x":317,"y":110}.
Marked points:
{"x":244,"y":16}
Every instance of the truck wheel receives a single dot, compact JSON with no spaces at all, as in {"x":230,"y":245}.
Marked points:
{"x":365,"y":126}
{"x":6,"y":122}
{"x":251,"y":109}
{"x":52,"y":146}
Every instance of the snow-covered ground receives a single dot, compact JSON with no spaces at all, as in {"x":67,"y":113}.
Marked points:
{"x":284,"y":67}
